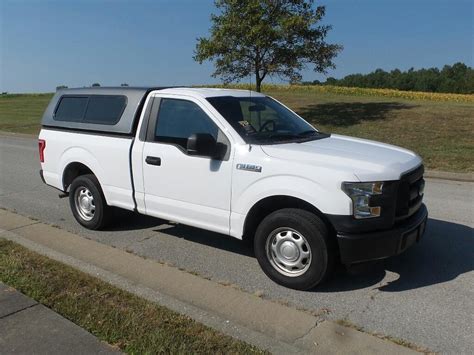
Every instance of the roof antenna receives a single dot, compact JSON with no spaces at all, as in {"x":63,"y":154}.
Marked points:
{"x":250,"y":94}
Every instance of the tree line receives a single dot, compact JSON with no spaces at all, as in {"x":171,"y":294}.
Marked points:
{"x":457,"y":78}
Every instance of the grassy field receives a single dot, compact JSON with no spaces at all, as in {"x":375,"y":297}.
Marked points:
{"x":439,"y":127}
{"x":441,"y":132}
{"x":132,"y":324}
{"x":22,"y":112}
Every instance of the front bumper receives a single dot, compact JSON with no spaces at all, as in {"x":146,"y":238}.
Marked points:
{"x":358,"y":247}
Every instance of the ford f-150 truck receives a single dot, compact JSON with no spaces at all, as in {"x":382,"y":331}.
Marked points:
{"x":234,"y":162}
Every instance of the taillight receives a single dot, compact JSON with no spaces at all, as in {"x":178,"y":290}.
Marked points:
{"x":41,"y":146}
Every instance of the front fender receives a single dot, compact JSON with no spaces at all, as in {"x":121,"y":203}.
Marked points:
{"x":324,"y":199}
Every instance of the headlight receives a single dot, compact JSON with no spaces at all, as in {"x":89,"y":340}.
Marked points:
{"x":361,"y":193}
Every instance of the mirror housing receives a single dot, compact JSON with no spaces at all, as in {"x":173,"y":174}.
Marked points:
{"x":204,"y":144}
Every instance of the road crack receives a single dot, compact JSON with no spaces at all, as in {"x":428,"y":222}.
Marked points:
{"x":18,"y":311}
{"x":306,"y":334}
{"x":16,"y":228}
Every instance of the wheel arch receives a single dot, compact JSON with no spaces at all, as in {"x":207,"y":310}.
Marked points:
{"x":77,"y":161}
{"x":270,"y":204}
{"x":72,"y":171}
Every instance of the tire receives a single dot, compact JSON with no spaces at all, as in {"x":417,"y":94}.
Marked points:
{"x":87,"y":202}
{"x":285,"y":238}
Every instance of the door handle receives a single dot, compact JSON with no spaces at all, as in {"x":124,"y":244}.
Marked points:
{"x":153,"y":160}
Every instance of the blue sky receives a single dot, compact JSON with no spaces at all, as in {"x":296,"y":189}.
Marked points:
{"x":46,"y":43}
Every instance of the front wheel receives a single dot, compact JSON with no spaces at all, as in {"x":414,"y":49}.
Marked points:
{"x":88,"y":203}
{"x":293,"y":248}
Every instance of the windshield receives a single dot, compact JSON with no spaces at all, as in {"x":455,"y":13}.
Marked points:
{"x":262,"y":120}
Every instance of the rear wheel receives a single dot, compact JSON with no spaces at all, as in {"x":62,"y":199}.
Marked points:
{"x":88,"y":203}
{"x":294,"y":249}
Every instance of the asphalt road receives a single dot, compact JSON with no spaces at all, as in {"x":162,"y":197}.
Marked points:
{"x":425,"y":295}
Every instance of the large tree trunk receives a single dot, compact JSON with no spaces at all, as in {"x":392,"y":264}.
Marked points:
{"x":258,"y":83}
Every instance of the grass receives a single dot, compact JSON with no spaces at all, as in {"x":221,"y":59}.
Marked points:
{"x":439,"y":127}
{"x":441,"y":132}
{"x":355,"y":91}
{"x":113,"y":315}
{"x":21,"y":113}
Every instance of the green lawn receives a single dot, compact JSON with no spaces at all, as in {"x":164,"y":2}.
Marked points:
{"x":124,"y":320}
{"x":22,"y":113}
{"x":442,"y":132}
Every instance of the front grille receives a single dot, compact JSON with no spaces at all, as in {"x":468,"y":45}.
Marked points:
{"x":410,"y":193}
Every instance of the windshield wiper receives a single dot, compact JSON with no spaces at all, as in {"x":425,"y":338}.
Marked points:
{"x":309,"y":132}
{"x":284,"y":136}
{"x":301,"y":137}
{"x":303,"y":134}
{"x":276,"y":137}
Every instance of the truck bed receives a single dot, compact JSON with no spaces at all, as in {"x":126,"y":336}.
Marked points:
{"x":107,"y":155}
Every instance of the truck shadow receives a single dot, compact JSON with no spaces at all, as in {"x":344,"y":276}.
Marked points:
{"x":445,"y":252}
{"x":211,"y":239}
{"x":130,"y":221}
{"x":124,"y":220}
{"x":344,"y":114}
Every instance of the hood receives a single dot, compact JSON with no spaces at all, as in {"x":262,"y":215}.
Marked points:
{"x":367,"y":160}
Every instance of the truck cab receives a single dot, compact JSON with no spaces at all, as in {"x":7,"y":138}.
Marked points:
{"x":238,"y":163}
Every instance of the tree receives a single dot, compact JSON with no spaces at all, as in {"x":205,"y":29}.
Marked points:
{"x":59,"y":87}
{"x":266,"y":38}
{"x":458,"y":78}
{"x":124,"y":84}
{"x":331,"y":81}
{"x":95,"y":84}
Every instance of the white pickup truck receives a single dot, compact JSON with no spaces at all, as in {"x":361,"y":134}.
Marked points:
{"x":238,"y":163}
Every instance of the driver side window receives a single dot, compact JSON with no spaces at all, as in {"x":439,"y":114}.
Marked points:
{"x":178,"y":119}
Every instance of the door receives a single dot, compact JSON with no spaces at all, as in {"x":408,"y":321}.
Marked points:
{"x":178,"y":186}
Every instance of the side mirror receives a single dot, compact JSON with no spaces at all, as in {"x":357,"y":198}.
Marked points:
{"x":204,"y":144}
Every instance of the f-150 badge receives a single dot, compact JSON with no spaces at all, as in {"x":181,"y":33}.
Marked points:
{"x":250,"y":167}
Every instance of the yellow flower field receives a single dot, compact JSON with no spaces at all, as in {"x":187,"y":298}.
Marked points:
{"x":341,"y":90}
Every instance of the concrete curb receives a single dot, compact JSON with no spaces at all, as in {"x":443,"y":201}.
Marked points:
{"x":445,"y":175}
{"x":295,"y":329}
{"x":212,"y":320}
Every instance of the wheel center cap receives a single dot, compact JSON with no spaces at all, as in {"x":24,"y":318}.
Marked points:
{"x":289,"y":250}
{"x":85,"y":203}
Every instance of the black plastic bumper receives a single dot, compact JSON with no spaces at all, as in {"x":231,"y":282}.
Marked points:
{"x":382,"y":244}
